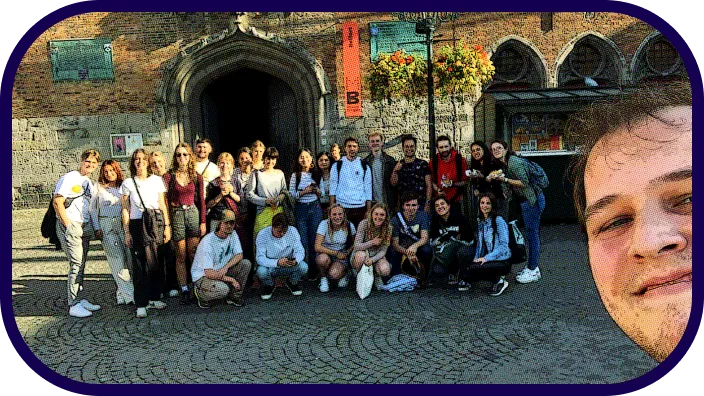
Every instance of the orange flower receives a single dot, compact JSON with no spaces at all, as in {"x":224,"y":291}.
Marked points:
{"x":449,"y":69}
{"x":478,"y":47}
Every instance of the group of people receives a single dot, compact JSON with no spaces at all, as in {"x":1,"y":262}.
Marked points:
{"x":343,"y":212}
{"x":633,"y":195}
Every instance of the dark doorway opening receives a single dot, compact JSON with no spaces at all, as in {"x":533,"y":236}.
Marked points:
{"x":250,"y":105}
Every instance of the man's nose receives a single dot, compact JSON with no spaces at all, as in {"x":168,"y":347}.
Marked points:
{"x":656,"y":233}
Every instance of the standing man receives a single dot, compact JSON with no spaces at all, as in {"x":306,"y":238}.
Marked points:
{"x":410,"y":237}
{"x":204,"y":166}
{"x":280,"y":253}
{"x":448,"y":172}
{"x":351,"y":183}
{"x":73,"y":227}
{"x":382,"y":165}
{"x":219,"y":270}
{"x":412,"y":174}
{"x":633,"y":194}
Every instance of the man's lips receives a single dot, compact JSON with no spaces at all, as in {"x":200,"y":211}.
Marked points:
{"x":660,"y":282}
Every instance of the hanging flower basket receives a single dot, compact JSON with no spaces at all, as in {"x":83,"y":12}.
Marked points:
{"x":397,"y":75}
{"x":459,"y":69}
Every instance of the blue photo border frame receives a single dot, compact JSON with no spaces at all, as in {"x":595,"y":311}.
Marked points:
{"x":370,"y":6}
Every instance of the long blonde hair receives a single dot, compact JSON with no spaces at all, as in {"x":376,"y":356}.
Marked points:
{"x":343,"y":226}
{"x":383,"y":231}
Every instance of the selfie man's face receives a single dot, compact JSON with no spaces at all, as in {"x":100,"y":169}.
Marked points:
{"x":638,"y":186}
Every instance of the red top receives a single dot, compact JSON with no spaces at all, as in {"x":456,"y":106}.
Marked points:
{"x":186,"y":195}
{"x":448,"y":169}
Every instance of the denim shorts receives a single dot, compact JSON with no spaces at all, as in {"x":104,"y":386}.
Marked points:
{"x":185,"y":223}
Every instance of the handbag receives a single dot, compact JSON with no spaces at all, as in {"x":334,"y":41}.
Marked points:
{"x":153,"y":223}
{"x":365,"y":280}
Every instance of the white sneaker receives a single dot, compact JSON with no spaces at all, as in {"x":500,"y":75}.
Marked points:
{"x":378,"y":282}
{"x":342,"y":283}
{"x":142,"y":312}
{"x":156,"y":305}
{"x":78,"y":311}
{"x":90,"y":307}
{"x":528,"y":276}
{"x":174,"y":293}
{"x":324,"y":287}
{"x":522,"y":272}
{"x":124,"y":300}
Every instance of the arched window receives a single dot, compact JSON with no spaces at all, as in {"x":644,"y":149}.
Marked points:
{"x":591,"y":62}
{"x":658,"y":60}
{"x":517,"y":67}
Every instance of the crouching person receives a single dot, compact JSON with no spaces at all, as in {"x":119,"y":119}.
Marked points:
{"x":280,"y":253}
{"x":490,"y":260}
{"x":219,"y":271}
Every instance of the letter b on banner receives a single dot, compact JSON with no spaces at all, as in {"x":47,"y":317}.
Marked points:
{"x":352,"y":98}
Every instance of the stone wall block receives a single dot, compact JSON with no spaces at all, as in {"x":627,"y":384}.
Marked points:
{"x":22,"y":124}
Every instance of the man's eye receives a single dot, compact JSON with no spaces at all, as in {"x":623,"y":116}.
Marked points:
{"x":683,"y":204}
{"x":615,"y":224}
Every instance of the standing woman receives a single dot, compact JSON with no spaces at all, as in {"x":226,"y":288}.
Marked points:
{"x":490,"y":259}
{"x":532,"y":201}
{"x":267,"y":191}
{"x":225,"y":192}
{"x":186,"y":196}
{"x":106,"y":215}
{"x":243,"y":173}
{"x":480,"y":166}
{"x":258,"y":149}
{"x":499,"y":165}
{"x":141,"y":192}
{"x":372,"y":241}
{"x":333,"y":243}
{"x":157,"y":165}
{"x":304,"y":188}
{"x":324,"y":162}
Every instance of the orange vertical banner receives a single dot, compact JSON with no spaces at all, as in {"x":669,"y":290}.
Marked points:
{"x":350,"y":66}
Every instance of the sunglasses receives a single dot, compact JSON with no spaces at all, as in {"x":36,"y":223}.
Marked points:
{"x":182,"y":154}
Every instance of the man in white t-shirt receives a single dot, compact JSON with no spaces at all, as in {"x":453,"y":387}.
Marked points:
{"x":208,"y":169}
{"x":73,"y":227}
{"x":218,"y":269}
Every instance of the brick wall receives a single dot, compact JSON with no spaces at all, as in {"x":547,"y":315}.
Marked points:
{"x":53,"y":122}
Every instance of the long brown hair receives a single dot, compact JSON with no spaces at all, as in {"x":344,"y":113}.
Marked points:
{"x":116,"y":167}
{"x":192,"y":174}
{"x":384,"y":231}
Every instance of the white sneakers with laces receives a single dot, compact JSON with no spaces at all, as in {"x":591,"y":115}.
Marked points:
{"x":528,"y":275}
{"x":77,"y":311}
{"x":342,"y":283}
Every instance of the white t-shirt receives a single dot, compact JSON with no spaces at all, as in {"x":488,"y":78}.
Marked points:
{"x":72,"y":185}
{"x":213,"y":253}
{"x":149,"y":190}
{"x":339,"y":237}
{"x":210,"y":173}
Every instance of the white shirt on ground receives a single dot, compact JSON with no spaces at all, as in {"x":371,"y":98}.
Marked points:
{"x":213,"y":253}
{"x":270,"y":249}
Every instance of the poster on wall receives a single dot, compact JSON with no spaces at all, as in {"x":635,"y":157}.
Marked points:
{"x":351,"y":69}
{"x":122,"y":145}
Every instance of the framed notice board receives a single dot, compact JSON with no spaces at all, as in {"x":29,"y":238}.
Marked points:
{"x":388,"y":37}
{"x":81,"y":59}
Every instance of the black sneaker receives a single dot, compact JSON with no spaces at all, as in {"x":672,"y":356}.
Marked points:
{"x":498,"y":287}
{"x":235,"y":301}
{"x":295,"y":290}
{"x":201,"y":303}
{"x":266,"y":291}
{"x":185,"y":298}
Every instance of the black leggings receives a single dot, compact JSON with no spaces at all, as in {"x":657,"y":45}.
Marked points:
{"x":148,"y":273}
{"x":471,"y":271}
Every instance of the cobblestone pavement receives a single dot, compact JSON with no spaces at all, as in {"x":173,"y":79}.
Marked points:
{"x":553,"y":331}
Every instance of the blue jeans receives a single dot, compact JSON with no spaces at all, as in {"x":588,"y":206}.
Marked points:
{"x":531,"y":218}
{"x":308,"y":217}
{"x":267,"y":274}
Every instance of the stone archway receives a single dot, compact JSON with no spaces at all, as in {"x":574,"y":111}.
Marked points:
{"x":182,"y":108}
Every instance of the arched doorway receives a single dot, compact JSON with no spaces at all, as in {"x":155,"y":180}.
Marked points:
{"x":249,"y":105}
{"x":240,"y":85}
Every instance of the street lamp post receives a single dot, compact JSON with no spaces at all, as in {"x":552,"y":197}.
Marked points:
{"x":426,"y":23}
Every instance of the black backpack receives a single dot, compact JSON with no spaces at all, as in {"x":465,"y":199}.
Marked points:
{"x":365,"y":169}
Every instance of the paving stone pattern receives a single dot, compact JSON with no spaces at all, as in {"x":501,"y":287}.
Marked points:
{"x":553,"y":331}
